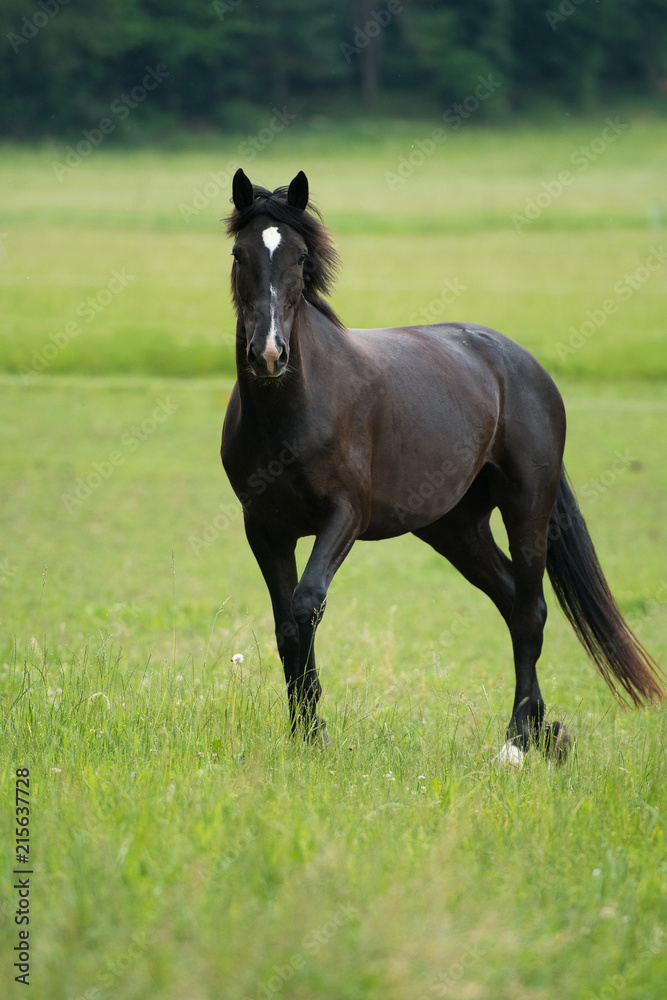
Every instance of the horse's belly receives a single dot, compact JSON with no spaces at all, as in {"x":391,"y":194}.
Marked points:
{"x":419,"y":476}
{"x":426,"y":499}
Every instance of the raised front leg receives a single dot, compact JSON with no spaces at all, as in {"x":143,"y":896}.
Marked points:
{"x":332,"y":544}
{"x":298,"y":607}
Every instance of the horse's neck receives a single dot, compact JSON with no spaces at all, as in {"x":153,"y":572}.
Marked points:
{"x":312,"y":340}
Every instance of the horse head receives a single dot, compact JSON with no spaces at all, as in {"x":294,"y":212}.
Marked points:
{"x":282,"y":254}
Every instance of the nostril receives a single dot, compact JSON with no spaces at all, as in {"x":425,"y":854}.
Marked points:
{"x":252,"y":357}
{"x":282,"y":359}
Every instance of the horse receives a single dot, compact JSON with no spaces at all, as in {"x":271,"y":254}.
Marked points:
{"x":359,"y":435}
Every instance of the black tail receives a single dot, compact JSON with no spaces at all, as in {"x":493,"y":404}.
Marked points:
{"x":585,"y":597}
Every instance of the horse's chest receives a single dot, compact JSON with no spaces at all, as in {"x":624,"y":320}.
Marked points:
{"x":275,"y":487}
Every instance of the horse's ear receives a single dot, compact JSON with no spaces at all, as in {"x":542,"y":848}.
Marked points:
{"x":297,"y":193}
{"x":242,"y":193}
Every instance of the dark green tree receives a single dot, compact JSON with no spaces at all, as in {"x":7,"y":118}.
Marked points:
{"x":227,"y":62}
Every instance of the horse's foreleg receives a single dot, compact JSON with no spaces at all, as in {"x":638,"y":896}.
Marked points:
{"x":276,"y":560}
{"x":332,"y":543}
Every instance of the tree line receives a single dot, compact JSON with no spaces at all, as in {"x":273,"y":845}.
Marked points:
{"x":67,"y":63}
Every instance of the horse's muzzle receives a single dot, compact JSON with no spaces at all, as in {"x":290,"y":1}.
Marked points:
{"x":271,"y":362}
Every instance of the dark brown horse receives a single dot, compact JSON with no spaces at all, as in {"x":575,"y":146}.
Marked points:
{"x":367,"y":434}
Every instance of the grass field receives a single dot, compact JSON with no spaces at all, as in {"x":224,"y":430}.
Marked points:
{"x":461,"y":216}
{"x":183,"y":847}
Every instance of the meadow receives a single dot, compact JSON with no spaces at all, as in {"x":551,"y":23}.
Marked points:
{"x":182,"y":846}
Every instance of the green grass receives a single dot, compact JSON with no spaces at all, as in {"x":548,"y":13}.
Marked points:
{"x":452,"y":218}
{"x":184,"y":848}
{"x":178,"y":829}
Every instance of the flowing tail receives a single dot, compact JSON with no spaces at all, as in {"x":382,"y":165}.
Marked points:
{"x":588,"y":604}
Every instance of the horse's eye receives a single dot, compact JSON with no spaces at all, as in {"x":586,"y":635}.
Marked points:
{"x":302,"y":257}
{"x":235,"y":253}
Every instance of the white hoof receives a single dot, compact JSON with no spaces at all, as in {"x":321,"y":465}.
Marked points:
{"x":510,"y":756}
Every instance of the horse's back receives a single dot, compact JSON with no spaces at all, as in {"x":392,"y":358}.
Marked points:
{"x":459,"y":346}
{"x":451,"y":398}
{"x":461,"y":366}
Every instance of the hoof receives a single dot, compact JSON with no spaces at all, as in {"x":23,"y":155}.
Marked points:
{"x":318,"y":734}
{"x":557,"y":742}
{"x":510,"y":756}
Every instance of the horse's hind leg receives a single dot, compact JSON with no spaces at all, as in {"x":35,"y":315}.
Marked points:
{"x":468,"y":543}
{"x":464,"y":537}
{"x":526,"y":516}
{"x":529,"y":616}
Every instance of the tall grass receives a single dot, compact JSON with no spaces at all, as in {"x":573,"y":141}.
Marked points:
{"x":179,"y":845}
{"x":183,"y":846}
{"x":182,"y":841}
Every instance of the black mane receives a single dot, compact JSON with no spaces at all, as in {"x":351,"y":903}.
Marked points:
{"x":319,"y":270}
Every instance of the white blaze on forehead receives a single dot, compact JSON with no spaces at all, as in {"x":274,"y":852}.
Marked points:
{"x":271,"y":352}
{"x":272,"y":238}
